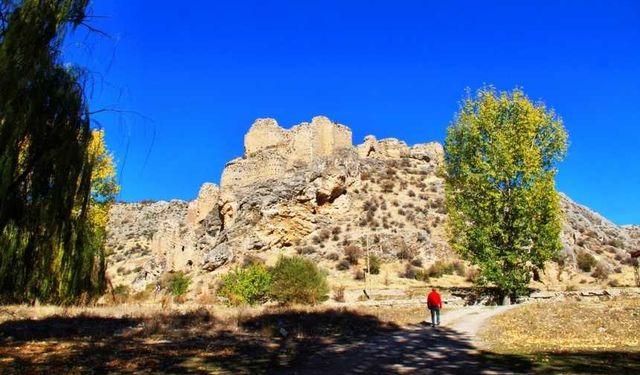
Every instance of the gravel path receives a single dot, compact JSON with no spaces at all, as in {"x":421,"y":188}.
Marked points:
{"x":418,"y":349}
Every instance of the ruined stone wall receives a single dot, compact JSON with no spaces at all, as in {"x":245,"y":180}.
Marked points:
{"x":265,"y":133}
{"x":270,"y":150}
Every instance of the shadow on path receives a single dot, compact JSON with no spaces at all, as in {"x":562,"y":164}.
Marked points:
{"x":280,"y":342}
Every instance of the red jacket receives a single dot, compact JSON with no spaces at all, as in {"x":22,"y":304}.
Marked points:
{"x":434,"y":301}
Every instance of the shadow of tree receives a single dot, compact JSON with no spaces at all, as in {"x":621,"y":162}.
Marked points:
{"x":283,"y":342}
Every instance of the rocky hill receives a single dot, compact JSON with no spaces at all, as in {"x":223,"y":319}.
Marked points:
{"x":308,"y":190}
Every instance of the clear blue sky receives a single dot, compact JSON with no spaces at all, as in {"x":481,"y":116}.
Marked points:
{"x":198,"y":73}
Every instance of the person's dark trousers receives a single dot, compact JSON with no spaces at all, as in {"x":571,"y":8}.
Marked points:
{"x":435,"y":316}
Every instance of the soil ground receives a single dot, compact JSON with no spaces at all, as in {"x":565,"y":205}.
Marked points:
{"x":279,"y":341}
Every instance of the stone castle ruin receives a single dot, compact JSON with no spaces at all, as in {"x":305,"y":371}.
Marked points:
{"x":270,"y":150}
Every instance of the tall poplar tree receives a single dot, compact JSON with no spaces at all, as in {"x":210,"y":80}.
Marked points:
{"x":49,"y":249}
{"x":501,"y":153}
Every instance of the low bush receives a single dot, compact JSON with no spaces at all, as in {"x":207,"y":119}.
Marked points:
{"x":352,"y":254}
{"x":472,"y":275}
{"x":374,"y":264}
{"x":343,"y":265}
{"x":416,"y":262}
{"x":333,"y":256}
{"x":338,"y":293}
{"x":249,"y":285}
{"x":305,"y":250}
{"x":121,"y":293}
{"x":177,"y":283}
{"x":602,"y":271}
{"x":298,"y":280}
{"x":459,"y":268}
{"x":440,"y":268}
{"x":250,"y":259}
{"x":585,"y":261}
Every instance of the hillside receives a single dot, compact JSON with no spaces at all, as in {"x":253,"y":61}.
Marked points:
{"x":308,"y":190}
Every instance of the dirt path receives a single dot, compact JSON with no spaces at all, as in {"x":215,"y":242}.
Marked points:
{"x":418,"y":349}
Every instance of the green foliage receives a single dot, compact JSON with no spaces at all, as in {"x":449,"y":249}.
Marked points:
{"x":374,"y":264}
{"x":178,"y":283}
{"x":121,"y":293}
{"x":298,"y":280}
{"x":249,"y":285}
{"x":585,"y":261}
{"x":440,"y":268}
{"x":50,"y":249}
{"x":504,"y":211}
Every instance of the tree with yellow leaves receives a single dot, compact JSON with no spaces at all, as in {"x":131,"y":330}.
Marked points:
{"x":104,"y":187}
{"x":504,"y":211}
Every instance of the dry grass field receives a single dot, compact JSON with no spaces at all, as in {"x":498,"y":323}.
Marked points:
{"x":595,"y":337}
{"x":571,"y":336}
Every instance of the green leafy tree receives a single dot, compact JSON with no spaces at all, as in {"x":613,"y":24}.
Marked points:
{"x":49,"y":248}
{"x":249,"y":285}
{"x":298,"y":280}
{"x":500,"y":153}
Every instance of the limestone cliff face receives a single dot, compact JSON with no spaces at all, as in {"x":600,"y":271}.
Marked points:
{"x":308,"y":188}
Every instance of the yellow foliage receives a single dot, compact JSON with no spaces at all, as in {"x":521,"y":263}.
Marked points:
{"x":104,"y":187}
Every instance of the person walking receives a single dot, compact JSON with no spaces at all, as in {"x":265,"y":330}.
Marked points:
{"x":434,"y":303}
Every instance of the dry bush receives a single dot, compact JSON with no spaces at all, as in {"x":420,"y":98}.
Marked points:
{"x":249,"y":260}
{"x":305,"y":250}
{"x":459,"y":268}
{"x":333,"y":256}
{"x":343,"y":265}
{"x":338,"y":293}
{"x":387,"y":186}
{"x":406,"y":252}
{"x":353,"y":253}
{"x":614,"y":283}
{"x":602,"y":271}
{"x":472,"y":274}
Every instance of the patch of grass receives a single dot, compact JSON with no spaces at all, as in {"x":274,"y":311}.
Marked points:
{"x":585,"y":325}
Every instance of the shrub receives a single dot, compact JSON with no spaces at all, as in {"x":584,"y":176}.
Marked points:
{"x":472,"y":275}
{"x":422,"y":275}
{"x":178,"y":283}
{"x":121,"y":293}
{"x":586,"y":261}
{"x":440,"y":268}
{"x":387,"y":186}
{"x":343,"y":265}
{"x":374,"y":265}
{"x":614,"y":283}
{"x":406,"y":252}
{"x":333,"y":256}
{"x":602,"y":271}
{"x":459,"y":268}
{"x":305,"y":250}
{"x":249,"y":260}
{"x":338,"y":293}
{"x":298,"y":280}
{"x":352,"y":253}
{"x":249,"y":285}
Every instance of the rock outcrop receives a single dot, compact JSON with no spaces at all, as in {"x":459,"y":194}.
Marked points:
{"x":310,"y":190}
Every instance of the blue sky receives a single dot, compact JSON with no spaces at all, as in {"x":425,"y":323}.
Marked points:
{"x":187,"y":80}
